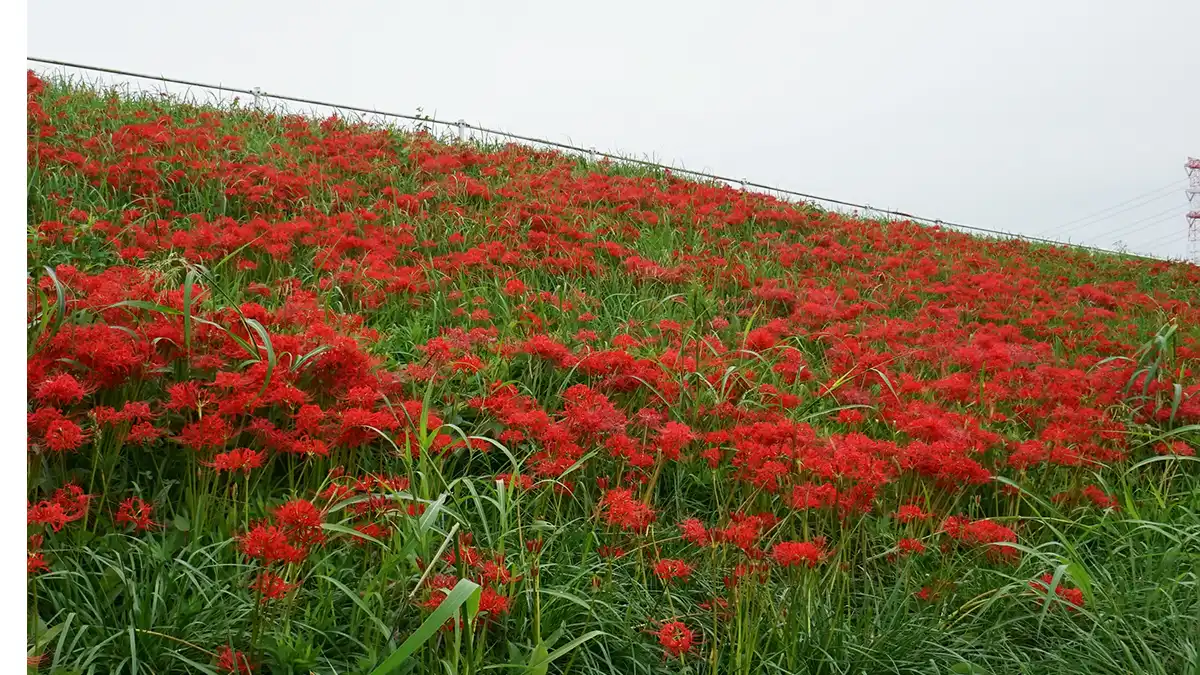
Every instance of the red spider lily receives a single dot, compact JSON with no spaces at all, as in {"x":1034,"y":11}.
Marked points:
{"x":493,"y":572}
{"x":64,"y":435}
{"x":36,"y":561}
{"x":184,"y":396}
{"x":143,"y":433}
{"x":514,"y":287}
{"x":61,"y":390}
{"x":336,"y":492}
{"x":521,"y":481}
{"x":935,"y":590}
{"x":51,"y":514}
{"x":670,"y":569}
{"x":1072,"y":596}
{"x":591,"y":413}
{"x":799,"y":553}
{"x":40,"y":420}
{"x":672,"y":438}
{"x":693,"y":531}
{"x":909,"y":513}
{"x":68,"y":504}
{"x":104,"y":416}
{"x":983,"y":533}
{"x":301,"y":522}
{"x":620,"y":508}
{"x":373,"y":530}
{"x":58,"y":433}
{"x":233,"y":662}
{"x":676,"y":638}
{"x":468,"y":554}
{"x":1100,"y":498}
{"x":211,"y":432}
{"x":270,"y":586}
{"x":850,"y":417}
{"x":718,"y":605}
{"x":759,"y":571}
{"x":611,"y":552}
{"x":492,"y":603}
{"x":908,"y":546}
{"x":1179,"y":448}
{"x":744,"y":531}
{"x":238,"y":459}
{"x":808,"y":496}
{"x":133,"y":511}
{"x":269,"y":544}
{"x":712,"y":456}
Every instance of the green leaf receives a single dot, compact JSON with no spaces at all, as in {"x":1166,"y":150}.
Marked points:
{"x":1161,"y":458}
{"x":236,"y":251}
{"x":144,"y":304}
{"x":200,"y":667}
{"x":133,"y":650}
{"x":317,"y":351}
{"x":537,"y":660}
{"x":566,"y":596}
{"x":429,"y":518}
{"x":540,"y":657}
{"x":387,"y":633}
{"x":1082,"y":579}
{"x":334,"y":527}
{"x":271,"y":360}
{"x":436,"y":556}
{"x":541,"y":666}
{"x":60,"y":303}
{"x":462,"y":592}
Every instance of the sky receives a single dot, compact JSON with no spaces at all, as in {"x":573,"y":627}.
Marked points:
{"x":1070,"y":120}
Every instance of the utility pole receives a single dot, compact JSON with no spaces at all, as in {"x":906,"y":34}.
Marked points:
{"x":1193,"y":216}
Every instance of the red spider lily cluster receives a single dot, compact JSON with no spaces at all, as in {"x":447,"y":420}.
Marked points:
{"x":676,"y":638}
{"x":301,"y":356}
{"x":1072,"y":598}
{"x":288,"y":537}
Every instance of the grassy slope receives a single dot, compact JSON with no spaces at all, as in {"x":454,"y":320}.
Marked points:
{"x":877,"y":315}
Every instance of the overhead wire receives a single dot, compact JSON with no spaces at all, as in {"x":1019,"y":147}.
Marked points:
{"x":1175,"y":191}
{"x":461,"y":125}
{"x":1139,"y":224}
{"x":1173,"y":185}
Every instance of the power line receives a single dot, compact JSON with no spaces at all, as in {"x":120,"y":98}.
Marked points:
{"x":461,"y":125}
{"x":1140,"y":224}
{"x":1138,"y":205}
{"x":1170,"y":186}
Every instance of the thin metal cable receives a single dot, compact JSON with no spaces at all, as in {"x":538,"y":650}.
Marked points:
{"x":1137,"y":225}
{"x":588,"y":151}
{"x":1141,"y":204}
{"x":1173,"y":185}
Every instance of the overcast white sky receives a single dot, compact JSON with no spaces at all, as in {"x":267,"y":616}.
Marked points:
{"x":1024,"y":115}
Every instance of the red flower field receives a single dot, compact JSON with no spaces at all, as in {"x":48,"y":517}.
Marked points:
{"x":314,"y":396}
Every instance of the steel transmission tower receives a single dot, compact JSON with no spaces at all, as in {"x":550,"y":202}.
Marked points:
{"x":1193,"y":216}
